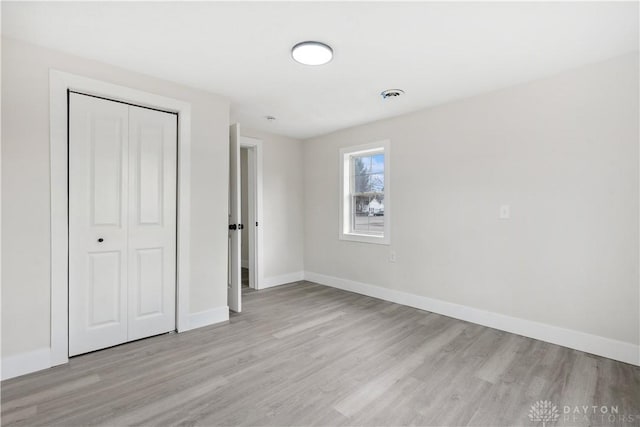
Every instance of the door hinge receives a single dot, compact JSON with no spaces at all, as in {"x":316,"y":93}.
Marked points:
{"x":240,"y":226}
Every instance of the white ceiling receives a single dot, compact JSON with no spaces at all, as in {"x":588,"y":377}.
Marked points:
{"x":436,"y":52}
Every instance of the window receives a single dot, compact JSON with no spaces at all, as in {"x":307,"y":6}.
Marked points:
{"x":365,"y":193}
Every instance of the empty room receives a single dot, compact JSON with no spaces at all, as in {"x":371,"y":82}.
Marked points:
{"x":320,"y":213}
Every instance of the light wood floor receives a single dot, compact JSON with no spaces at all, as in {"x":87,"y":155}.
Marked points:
{"x":305,"y":354}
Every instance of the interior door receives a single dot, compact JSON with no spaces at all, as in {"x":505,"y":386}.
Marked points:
{"x":152,"y":222}
{"x":234,"y":287}
{"x":98,"y":205}
{"x":122,"y":222}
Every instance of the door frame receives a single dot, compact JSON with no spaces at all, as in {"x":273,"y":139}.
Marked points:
{"x":59,"y":84}
{"x":254,"y":197}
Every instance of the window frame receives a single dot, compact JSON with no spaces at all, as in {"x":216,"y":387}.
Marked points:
{"x":346,"y":153}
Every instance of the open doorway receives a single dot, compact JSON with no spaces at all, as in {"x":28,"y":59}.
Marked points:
{"x":245,"y":217}
{"x":251,"y":211}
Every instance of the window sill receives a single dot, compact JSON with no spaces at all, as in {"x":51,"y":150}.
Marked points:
{"x":365,"y":238}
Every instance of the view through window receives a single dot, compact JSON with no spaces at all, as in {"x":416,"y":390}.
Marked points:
{"x":367,"y":193}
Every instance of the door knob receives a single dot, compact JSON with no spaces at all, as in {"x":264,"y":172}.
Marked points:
{"x":100,"y":240}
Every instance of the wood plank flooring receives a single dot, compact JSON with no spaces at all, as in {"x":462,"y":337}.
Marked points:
{"x":306,"y":354}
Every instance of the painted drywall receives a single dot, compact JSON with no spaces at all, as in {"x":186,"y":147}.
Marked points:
{"x":283,"y":204}
{"x":562,"y":152}
{"x":244,"y":199}
{"x":26,"y":188}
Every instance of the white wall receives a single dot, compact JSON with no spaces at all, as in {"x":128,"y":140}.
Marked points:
{"x":26,"y":188}
{"x":562,"y":151}
{"x":283,"y":203}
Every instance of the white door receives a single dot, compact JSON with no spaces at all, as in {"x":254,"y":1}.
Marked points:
{"x":234,"y":287}
{"x":122,"y":183}
{"x":152,"y":222}
{"x":98,"y":161}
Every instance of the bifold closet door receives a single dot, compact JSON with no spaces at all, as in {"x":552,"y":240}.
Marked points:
{"x":98,"y":206}
{"x":152,"y":222}
{"x":122,"y":216}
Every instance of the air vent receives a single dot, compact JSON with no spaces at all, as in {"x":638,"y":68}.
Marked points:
{"x":391,"y":93}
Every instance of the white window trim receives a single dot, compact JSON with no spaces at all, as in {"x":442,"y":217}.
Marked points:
{"x":344,"y":182}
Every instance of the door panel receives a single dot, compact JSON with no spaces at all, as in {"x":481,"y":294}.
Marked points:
{"x":106,"y":170}
{"x":98,"y":142}
{"x":152,"y":224}
{"x":234,"y":290}
{"x":104,"y":284}
{"x":150,"y":174}
{"x":149,"y":267}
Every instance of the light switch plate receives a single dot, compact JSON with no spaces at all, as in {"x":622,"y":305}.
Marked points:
{"x":392,"y":256}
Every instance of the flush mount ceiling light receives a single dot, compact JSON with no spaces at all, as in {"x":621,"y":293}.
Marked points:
{"x":312,"y":53}
{"x":391,"y":93}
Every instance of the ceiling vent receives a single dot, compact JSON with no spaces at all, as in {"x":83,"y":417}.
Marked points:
{"x":391,"y":93}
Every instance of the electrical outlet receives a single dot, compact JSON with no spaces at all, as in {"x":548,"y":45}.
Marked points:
{"x":505,"y":212}
{"x":392,"y":256}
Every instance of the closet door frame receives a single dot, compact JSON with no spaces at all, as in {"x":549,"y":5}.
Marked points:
{"x":60,"y":83}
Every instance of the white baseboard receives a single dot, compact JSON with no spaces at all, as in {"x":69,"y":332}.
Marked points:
{"x":269,"y":282}
{"x":25,"y":363}
{"x":208,"y":317}
{"x":37,"y":360}
{"x":594,"y":344}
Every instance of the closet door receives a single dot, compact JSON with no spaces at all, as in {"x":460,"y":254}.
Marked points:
{"x":122,"y":223}
{"x":98,"y":206}
{"x":152,"y":222}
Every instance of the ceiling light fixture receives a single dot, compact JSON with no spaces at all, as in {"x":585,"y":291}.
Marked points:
{"x":391,"y":93}
{"x":312,"y":53}
{"x":270,"y":118}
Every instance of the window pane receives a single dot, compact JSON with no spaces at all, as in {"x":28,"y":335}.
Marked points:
{"x":367,"y":174}
{"x":376,"y":182}
{"x":361,"y":165}
{"x":361,"y":205}
{"x":376,"y":224}
{"x":377,"y":163}
{"x":361,"y":223}
{"x":360,"y":214}
{"x":362,"y":184}
{"x":376,"y":205}
{"x":368,"y":214}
